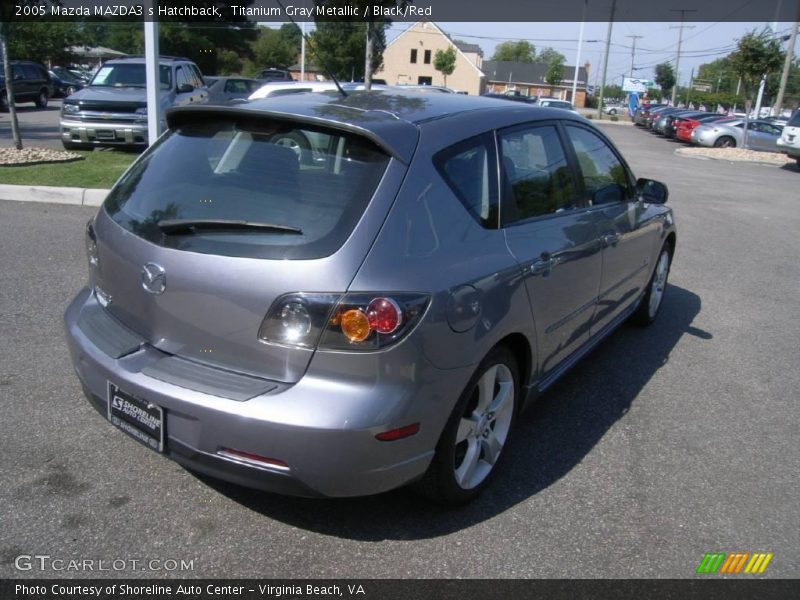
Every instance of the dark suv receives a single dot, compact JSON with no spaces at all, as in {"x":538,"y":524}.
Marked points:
{"x":32,"y":83}
{"x":112,"y":109}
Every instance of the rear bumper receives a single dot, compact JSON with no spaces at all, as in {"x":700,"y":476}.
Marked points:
{"x":323,"y":427}
{"x":104,"y":133}
{"x":792,"y":149}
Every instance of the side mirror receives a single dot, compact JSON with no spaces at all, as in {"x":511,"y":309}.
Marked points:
{"x":651,"y":191}
{"x":185,"y":88}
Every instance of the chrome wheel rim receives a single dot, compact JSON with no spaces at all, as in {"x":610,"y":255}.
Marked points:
{"x":659,"y":284}
{"x":484,"y":427}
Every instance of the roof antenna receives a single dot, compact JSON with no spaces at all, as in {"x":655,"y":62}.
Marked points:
{"x":314,"y":50}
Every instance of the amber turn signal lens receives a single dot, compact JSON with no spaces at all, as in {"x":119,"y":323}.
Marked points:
{"x":355,"y":325}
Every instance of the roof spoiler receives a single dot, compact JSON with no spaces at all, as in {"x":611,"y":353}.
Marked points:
{"x":401,"y":146}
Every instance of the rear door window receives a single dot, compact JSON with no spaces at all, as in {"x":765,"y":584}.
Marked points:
{"x":312,"y":185}
{"x":536,"y":180}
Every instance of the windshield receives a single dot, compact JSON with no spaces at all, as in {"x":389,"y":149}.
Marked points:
{"x":129,"y":75}
{"x":795,"y":120}
{"x":295,"y":192}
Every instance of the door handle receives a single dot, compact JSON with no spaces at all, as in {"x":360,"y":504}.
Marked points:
{"x":610,"y":239}
{"x":543,"y":266}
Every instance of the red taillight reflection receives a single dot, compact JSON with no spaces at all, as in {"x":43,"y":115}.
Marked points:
{"x":398,"y":434}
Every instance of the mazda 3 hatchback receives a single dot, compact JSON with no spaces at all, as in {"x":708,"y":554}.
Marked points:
{"x":370,"y":316}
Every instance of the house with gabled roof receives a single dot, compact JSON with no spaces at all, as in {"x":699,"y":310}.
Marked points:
{"x":408,"y":60}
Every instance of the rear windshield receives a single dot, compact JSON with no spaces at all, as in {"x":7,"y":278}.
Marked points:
{"x":311,"y":184}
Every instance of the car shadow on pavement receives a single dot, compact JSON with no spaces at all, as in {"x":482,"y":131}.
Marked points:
{"x":553,"y":436}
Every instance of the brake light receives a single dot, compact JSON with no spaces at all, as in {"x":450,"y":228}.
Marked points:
{"x":330,"y":321}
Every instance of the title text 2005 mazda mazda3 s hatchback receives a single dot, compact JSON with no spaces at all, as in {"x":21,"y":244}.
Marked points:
{"x":334,"y":296}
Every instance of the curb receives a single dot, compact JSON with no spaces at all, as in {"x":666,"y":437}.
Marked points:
{"x":679,"y":152}
{"x":53,"y":195}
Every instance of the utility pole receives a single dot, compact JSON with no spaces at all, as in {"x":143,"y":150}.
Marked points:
{"x":605,"y":60}
{"x":12,"y":108}
{"x":578,"y":59}
{"x":303,"y":52}
{"x":152,"y":73}
{"x":681,"y":27}
{"x":633,"y":50}
{"x":787,"y":64}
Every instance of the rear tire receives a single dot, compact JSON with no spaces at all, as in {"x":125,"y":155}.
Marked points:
{"x":653,"y":298}
{"x":473,"y":439}
{"x":725,"y":141}
{"x":297,"y":143}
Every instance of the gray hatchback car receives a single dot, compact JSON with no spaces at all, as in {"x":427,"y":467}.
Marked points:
{"x":379,"y":316}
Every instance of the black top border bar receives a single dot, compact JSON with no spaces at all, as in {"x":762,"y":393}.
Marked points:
{"x":753,"y":11}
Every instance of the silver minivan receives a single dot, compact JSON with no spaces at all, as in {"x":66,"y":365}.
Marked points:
{"x":374,"y":317}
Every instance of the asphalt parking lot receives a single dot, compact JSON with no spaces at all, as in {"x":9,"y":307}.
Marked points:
{"x":665,"y":444}
{"x":38,"y":127}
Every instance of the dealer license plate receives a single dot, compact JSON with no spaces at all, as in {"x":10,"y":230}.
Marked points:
{"x":140,"y":419}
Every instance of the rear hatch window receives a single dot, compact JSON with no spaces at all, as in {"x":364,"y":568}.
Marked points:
{"x":261,"y":189}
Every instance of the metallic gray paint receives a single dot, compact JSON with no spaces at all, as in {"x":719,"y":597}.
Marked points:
{"x":415,"y":236}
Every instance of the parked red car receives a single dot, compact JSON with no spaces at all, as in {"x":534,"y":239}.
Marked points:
{"x":685,"y":126}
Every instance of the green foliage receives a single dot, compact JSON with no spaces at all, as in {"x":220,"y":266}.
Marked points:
{"x":614,"y":118}
{"x":275,"y":48}
{"x":614,"y":92}
{"x":555,"y":69}
{"x":756,"y":55}
{"x":228,"y":63}
{"x":665,"y":77}
{"x":444,"y":61}
{"x":547,"y":55}
{"x":41,"y":41}
{"x":520,"y":51}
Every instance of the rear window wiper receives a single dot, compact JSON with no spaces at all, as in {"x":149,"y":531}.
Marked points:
{"x":178,"y":226}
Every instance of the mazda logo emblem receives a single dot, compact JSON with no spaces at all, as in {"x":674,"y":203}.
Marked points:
{"x":154,"y":279}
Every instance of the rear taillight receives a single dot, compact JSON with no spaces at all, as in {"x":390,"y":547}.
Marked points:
{"x":355,"y":321}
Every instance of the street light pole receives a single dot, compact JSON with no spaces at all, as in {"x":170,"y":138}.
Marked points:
{"x":578,"y":57}
{"x":605,"y":60}
{"x":151,"y":59}
{"x":633,"y":50}
{"x":681,"y":27}
{"x":787,"y":64}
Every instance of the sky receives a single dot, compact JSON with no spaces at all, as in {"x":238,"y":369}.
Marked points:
{"x":702,"y":42}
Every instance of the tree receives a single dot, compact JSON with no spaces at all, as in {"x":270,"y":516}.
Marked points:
{"x":44,"y":42}
{"x":555,"y":69}
{"x":547,"y":55}
{"x":275,"y":48}
{"x":520,"y":51}
{"x":665,"y":76}
{"x":444,"y":61}
{"x":756,"y":55}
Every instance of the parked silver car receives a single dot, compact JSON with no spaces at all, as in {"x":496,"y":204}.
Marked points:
{"x":376,"y":318}
{"x":761,"y":135}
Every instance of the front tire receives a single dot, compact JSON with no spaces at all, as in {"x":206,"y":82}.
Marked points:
{"x":651,"y":302}
{"x":473,"y":439}
{"x":41,"y":99}
{"x":725,"y":141}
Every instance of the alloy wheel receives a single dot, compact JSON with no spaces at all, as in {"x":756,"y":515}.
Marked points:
{"x":484,"y":427}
